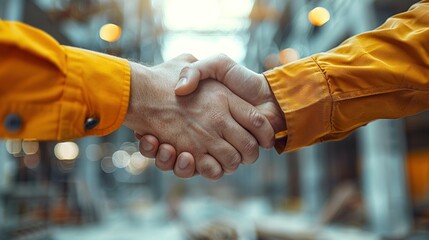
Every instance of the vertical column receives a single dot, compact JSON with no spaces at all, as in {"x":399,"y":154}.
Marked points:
{"x":385,"y":193}
{"x":13,"y":9}
{"x":2,"y":7}
{"x":312,"y":178}
{"x":87,"y":172}
{"x":7,"y":171}
{"x":3,"y":157}
{"x":383,"y":152}
{"x":252,"y":179}
{"x":279,"y":182}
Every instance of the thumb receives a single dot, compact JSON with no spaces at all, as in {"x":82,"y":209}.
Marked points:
{"x":188,"y":82}
{"x":215,"y":67}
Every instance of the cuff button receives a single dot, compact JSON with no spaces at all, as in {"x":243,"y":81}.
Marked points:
{"x":91,"y":123}
{"x":13,"y":123}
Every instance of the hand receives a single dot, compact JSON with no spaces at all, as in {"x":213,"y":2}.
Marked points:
{"x":212,"y":124}
{"x":248,"y":85}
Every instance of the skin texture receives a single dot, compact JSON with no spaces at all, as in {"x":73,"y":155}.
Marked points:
{"x":248,"y":85}
{"x":212,"y":128}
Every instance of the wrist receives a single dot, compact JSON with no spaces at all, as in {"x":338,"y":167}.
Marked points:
{"x":277,"y":119}
{"x":137,"y":76}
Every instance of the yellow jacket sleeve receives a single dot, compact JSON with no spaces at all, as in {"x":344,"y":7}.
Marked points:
{"x":381,"y":74}
{"x":50,"y":92}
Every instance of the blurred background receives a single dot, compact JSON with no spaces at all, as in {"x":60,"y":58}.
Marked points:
{"x":372,"y":185}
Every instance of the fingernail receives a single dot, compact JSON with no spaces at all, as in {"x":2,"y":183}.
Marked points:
{"x":183,"y":163}
{"x":147,"y":146}
{"x":182,"y":82}
{"x":164,"y":155}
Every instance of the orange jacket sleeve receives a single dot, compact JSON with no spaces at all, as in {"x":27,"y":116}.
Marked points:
{"x":381,"y":74}
{"x":49,"y":90}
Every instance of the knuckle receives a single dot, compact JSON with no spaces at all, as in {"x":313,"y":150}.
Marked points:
{"x":251,"y":146}
{"x":223,"y":57}
{"x":234,"y":161}
{"x":188,"y":57}
{"x":210,"y":171}
{"x":185,"y":70}
{"x":218,"y":120}
{"x":216,"y":175}
{"x":256,"y":118}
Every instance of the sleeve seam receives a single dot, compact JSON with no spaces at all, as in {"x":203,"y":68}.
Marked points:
{"x":323,"y":72}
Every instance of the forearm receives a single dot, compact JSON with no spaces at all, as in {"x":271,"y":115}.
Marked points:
{"x":378,"y":74}
{"x":54,"y":90}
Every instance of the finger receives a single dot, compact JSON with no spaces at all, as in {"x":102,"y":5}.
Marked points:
{"x":185,"y":165}
{"x":251,"y":119}
{"x":225,"y":154}
{"x":242,"y":141}
{"x":166,"y":157}
{"x":148,"y":146}
{"x":208,"y":167}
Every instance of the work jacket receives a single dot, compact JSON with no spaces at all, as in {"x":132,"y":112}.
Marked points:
{"x":380,"y":74}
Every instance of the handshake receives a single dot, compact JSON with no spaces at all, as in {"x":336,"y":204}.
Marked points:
{"x":208,"y":127}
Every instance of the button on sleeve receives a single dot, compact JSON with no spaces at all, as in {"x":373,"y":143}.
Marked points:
{"x":13,"y":123}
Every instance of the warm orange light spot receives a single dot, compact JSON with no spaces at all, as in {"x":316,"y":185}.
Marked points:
{"x":288,"y":55}
{"x":319,"y":16}
{"x":110,"y":32}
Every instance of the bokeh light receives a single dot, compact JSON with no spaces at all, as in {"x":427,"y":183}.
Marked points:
{"x":110,"y":32}
{"x":288,"y":55}
{"x":30,"y":147}
{"x":271,"y":61}
{"x":107,"y":165}
{"x":66,"y":150}
{"x":13,"y":146}
{"x":32,"y":161}
{"x":138,"y":163}
{"x":121,"y":159}
{"x":319,"y":16}
{"x":129,"y":147}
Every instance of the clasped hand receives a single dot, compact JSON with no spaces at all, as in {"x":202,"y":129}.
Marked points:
{"x":208,"y":127}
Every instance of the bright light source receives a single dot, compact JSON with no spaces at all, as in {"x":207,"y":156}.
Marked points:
{"x":319,"y":16}
{"x":110,"y":32}
{"x":202,"y":46}
{"x":207,"y":15}
{"x":288,"y":55}
{"x":121,"y":159}
{"x":13,"y":146}
{"x":30,"y":147}
{"x":138,"y":161}
{"x":271,"y":61}
{"x":66,"y":150}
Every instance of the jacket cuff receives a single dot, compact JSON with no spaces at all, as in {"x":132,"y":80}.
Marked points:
{"x":102,"y":84}
{"x":302,"y":91}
